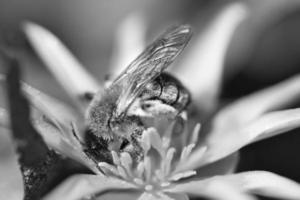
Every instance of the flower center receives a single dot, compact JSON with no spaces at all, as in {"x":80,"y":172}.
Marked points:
{"x":162,"y":160}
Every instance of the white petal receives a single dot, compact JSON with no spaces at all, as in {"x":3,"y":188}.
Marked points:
{"x":220,"y":144}
{"x":63,"y":143}
{"x":53,"y":108}
{"x":202,"y":68}
{"x":252,"y":106}
{"x":214,"y":188}
{"x":255,"y":182}
{"x":161,"y":196}
{"x":4,"y":118}
{"x":58,"y":111}
{"x":80,"y":186}
{"x":265,"y":184}
{"x":224,"y":166}
{"x":119,"y":195}
{"x":129,"y":42}
{"x":60,"y":61}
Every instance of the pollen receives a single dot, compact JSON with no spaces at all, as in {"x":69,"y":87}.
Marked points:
{"x":163,"y":157}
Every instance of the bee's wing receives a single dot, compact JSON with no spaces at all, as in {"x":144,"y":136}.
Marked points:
{"x":150,"y":64}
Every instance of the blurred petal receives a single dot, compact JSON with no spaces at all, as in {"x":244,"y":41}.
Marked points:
{"x":265,"y":184}
{"x":263,"y":15}
{"x":252,"y":106}
{"x":49,"y":106}
{"x":4,"y":118}
{"x":214,"y":188}
{"x":64,"y":143}
{"x":63,"y":65}
{"x":226,"y":165}
{"x":202,"y":68}
{"x":130,"y":41}
{"x":163,"y":196}
{"x":119,"y":195}
{"x":255,"y":182}
{"x":56,"y":110}
{"x":80,"y":186}
{"x":221,"y":144}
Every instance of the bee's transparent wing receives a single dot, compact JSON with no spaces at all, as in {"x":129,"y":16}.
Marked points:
{"x":150,"y":64}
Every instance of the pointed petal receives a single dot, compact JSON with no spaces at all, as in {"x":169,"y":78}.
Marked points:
{"x":4,"y":118}
{"x":220,"y":144}
{"x":58,"y":111}
{"x":252,"y":106}
{"x":202,"y":68}
{"x":214,"y":188}
{"x":266,"y":184}
{"x":62,"y":64}
{"x":83,"y":186}
{"x":130,"y":41}
{"x":162,"y":196}
{"x":255,"y":182}
{"x":119,"y":195}
{"x":53,"y":108}
{"x":64,"y":143}
{"x":241,"y":123}
{"x":224,"y":166}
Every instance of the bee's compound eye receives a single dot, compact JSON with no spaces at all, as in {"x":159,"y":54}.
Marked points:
{"x":152,"y":90}
{"x":169,"y":93}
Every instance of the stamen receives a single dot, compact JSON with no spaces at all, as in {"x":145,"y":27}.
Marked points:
{"x":149,"y":187}
{"x":168,"y":134}
{"x":156,"y":169}
{"x":195,"y":134}
{"x":108,"y":167}
{"x":122,"y":172}
{"x":182,"y":175}
{"x":138,"y":181}
{"x":155,"y":141}
{"x":140,"y":169}
{"x":186,"y":152}
{"x":168,"y":160}
{"x":147,"y":166}
{"x":115,"y":157}
{"x":165,"y":184}
{"x":184,"y":165}
{"x":145,"y":142}
{"x":126,"y":162}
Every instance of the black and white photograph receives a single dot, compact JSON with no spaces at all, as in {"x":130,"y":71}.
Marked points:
{"x":150,"y":100}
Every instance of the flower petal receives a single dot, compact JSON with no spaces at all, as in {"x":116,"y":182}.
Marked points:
{"x":58,"y":111}
{"x":265,"y":184}
{"x":255,"y":182}
{"x":53,"y":108}
{"x":4,"y":118}
{"x":163,"y":196}
{"x":59,"y":141}
{"x":130,"y":41}
{"x":202,"y":68}
{"x":83,"y":186}
{"x":224,"y":166}
{"x":214,"y":188}
{"x":252,"y":106}
{"x":220,"y":144}
{"x":62,"y":64}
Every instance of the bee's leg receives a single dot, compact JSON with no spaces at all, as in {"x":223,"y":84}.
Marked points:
{"x":97,"y":148}
{"x":133,"y":147}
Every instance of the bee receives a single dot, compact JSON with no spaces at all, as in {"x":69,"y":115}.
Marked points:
{"x":143,"y":89}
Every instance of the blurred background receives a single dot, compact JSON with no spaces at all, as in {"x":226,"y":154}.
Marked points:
{"x":264,"y":50}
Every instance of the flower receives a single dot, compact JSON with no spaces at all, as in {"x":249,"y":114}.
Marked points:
{"x":200,"y":165}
